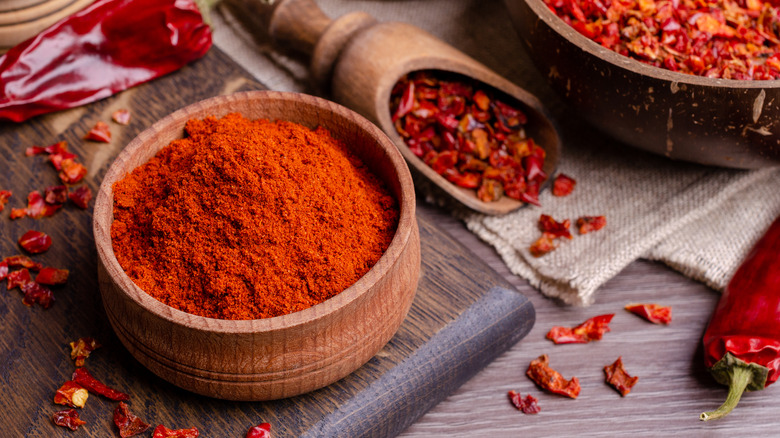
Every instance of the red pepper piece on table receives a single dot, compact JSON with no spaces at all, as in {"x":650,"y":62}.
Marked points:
{"x":35,"y":242}
{"x":742,"y":339}
{"x":18,"y":278}
{"x":121,"y":116}
{"x":528,"y":405}
{"x":617,"y":376}
{"x":652,"y":312}
{"x":563,"y":185}
{"x":81,"y":196}
{"x":72,"y":172}
{"x":52,"y":276}
{"x":22,"y":261}
{"x":262,"y":430}
{"x":105,"y":48}
{"x":55,"y":195}
{"x":81,"y":349}
{"x":101,"y":132}
{"x":68,"y":418}
{"x":4,"y":196}
{"x":163,"y":432}
{"x":543,"y":245}
{"x":127,"y":423}
{"x":35,"y":293}
{"x":85,"y":379}
{"x":547,"y":378}
{"x":71,"y":394}
{"x":3,"y":270}
{"x":558,"y":229}
{"x":586,"y":224}
{"x":591,"y":330}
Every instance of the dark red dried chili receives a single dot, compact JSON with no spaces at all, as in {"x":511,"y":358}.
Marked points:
{"x":52,"y":276}
{"x":262,"y":430}
{"x":72,"y":172}
{"x":68,"y":418}
{"x":547,"y":378}
{"x":3,"y":270}
{"x":652,"y":312}
{"x":528,"y":405}
{"x":591,"y":330}
{"x":55,"y":194}
{"x":127,"y":423}
{"x":101,"y":132}
{"x":742,"y":340}
{"x":22,"y":261}
{"x":71,"y":394}
{"x":563,"y":185}
{"x":85,"y":379}
{"x":18,"y":278}
{"x":617,"y":376}
{"x":105,"y":48}
{"x":81,"y":349}
{"x":163,"y":432}
{"x":81,"y":196}
{"x":586,"y":224}
{"x":467,"y":133}
{"x":35,"y":293}
{"x":4,"y":196}
{"x":35,"y":242}
{"x":36,"y":207}
{"x":558,"y":229}
{"x":121,"y":116}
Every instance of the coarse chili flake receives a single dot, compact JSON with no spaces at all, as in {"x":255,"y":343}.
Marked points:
{"x":586,"y":224}
{"x":71,"y":394}
{"x":35,"y":242}
{"x":22,"y":261}
{"x":563,"y":185}
{"x":730,"y":39}
{"x":101,"y":132}
{"x":262,"y":430}
{"x":127,"y":423}
{"x":68,"y":418}
{"x":4,"y":196}
{"x":591,"y":330}
{"x":121,"y":116}
{"x":654,"y":313}
{"x":52,"y":276}
{"x":37,"y":207}
{"x":81,"y":196}
{"x":163,"y":432}
{"x":617,"y":376}
{"x":547,"y":378}
{"x":81,"y":349}
{"x":528,"y":405}
{"x":470,"y":134}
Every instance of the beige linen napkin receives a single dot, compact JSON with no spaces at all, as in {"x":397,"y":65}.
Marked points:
{"x":699,"y":220}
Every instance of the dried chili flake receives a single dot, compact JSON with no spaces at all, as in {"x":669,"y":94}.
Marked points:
{"x":18,"y":278}
{"x":36,"y":207}
{"x":591,"y":330}
{"x":17,"y":213}
{"x":547,"y":378}
{"x":35,"y":242}
{"x":617,"y":376}
{"x":563,"y":185}
{"x":121,"y":116}
{"x":558,"y":229}
{"x":543,"y":245}
{"x":466,"y":132}
{"x":68,"y":418}
{"x":262,"y":430}
{"x":71,"y":394}
{"x":100,"y":132}
{"x":652,"y":312}
{"x":81,"y":196}
{"x":22,"y":261}
{"x":85,"y":379}
{"x":128,"y":424}
{"x":81,"y":349}
{"x":3,"y":270}
{"x":35,"y":293}
{"x":4,"y":196}
{"x":55,"y":194}
{"x":163,"y":432}
{"x":529,"y":404}
{"x":586,"y":224}
{"x":72,"y":171}
{"x":52,"y":276}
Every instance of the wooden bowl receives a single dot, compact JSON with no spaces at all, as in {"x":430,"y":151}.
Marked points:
{"x":720,"y":122}
{"x":278,"y":357}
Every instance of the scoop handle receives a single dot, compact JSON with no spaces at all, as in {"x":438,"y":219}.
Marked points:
{"x":295,"y":24}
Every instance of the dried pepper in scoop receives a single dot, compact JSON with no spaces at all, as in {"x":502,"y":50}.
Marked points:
{"x":591,"y":330}
{"x":105,"y":48}
{"x":127,"y":423}
{"x":617,"y":376}
{"x":652,"y":312}
{"x":468,"y":134}
{"x":742,"y":339}
{"x":547,"y":378}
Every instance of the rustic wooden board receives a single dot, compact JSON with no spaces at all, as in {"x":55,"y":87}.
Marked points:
{"x":464,"y":314}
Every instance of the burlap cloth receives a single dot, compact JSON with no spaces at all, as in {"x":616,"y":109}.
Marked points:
{"x":699,"y":220}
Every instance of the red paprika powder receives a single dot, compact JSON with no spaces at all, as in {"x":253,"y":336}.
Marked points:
{"x":247,"y":219}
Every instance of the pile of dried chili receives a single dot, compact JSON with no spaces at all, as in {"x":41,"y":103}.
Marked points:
{"x":468,"y":133}
{"x":730,"y":39}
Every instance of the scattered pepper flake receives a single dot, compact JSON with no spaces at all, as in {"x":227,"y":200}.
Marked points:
{"x":68,"y":418}
{"x":528,"y":405}
{"x":543,"y":245}
{"x":558,"y":229}
{"x":100,"y":132}
{"x":617,"y":376}
{"x":652,"y":312}
{"x":262,"y":430}
{"x":127,"y":423}
{"x":4,"y":196}
{"x":81,"y":196}
{"x":3,"y":270}
{"x":163,"y":432}
{"x":36,"y":207}
{"x":83,"y":377}
{"x":22,"y":261}
{"x":17,"y":213}
{"x":35,"y":242}
{"x":547,"y":378}
{"x":81,"y":349}
{"x":55,"y":194}
{"x":586,"y":224}
{"x":72,"y":171}
{"x":71,"y":394}
{"x":563,"y":185}
{"x":35,"y":293}
{"x":18,"y":278}
{"x":121,"y":116}
{"x":52,"y":276}
{"x":591,"y":330}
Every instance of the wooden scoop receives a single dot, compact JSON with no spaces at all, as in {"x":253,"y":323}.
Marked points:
{"x":358,"y":60}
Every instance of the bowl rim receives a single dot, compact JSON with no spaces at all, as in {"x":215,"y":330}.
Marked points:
{"x":404,"y":229}
{"x":542,"y":12}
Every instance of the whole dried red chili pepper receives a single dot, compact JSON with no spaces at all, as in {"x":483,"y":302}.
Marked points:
{"x":35,"y":242}
{"x":107,"y":47}
{"x":68,"y":418}
{"x":591,"y":330}
{"x":85,"y":379}
{"x":652,"y":312}
{"x":617,"y":376}
{"x":547,"y":378}
{"x":529,"y":404}
{"x":127,"y":423}
{"x":262,"y":430}
{"x":163,"y":432}
{"x":742,"y":340}
{"x":81,"y":349}
{"x":71,"y":394}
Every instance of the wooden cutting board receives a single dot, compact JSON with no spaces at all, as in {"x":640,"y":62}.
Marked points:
{"x":463,"y":316}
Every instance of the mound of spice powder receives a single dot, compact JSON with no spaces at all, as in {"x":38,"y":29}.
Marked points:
{"x":246,"y":219}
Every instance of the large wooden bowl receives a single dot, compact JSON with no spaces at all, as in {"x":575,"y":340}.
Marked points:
{"x":710,"y":121}
{"x":276,"y":357}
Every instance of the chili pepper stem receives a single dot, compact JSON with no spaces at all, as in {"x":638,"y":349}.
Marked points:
{"x":740,"y":379}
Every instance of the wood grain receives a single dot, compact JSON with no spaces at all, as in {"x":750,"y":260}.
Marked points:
{"x":462,"y":317}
